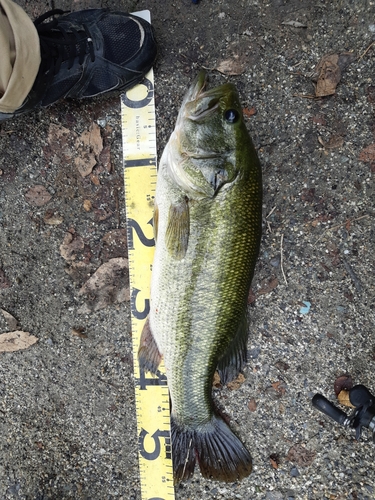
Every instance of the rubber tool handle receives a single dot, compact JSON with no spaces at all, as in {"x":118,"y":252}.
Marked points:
{"x":359,"y":395}
{"x":325,"y":406}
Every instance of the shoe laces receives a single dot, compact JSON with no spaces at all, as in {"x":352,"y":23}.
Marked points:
{"x":58,"y":45}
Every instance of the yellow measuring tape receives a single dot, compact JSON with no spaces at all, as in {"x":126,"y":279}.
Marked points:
{"x":151,"y":393}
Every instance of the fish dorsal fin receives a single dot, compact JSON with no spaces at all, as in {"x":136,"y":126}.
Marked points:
{"x":234,"y":358}
{"x":178,"y":228}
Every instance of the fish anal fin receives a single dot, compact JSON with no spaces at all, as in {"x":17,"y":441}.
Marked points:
{"x":220,"y":454}
{"x":183,"y":452}
{"x":235,"y":357}
{"x":178,"y":228}
{"x":149,"y":356}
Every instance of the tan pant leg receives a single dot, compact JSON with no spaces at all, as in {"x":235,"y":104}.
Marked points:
{"x":19,"y":55}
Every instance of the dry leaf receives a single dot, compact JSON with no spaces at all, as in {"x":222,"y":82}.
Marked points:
{"x":79,"y":332}
{"x":52,"y":219}
{"x":60,"y":145}
{"x":343,"y":398}
{"x":275,"y":460}
{"x":233,"y":67}
{"x":319,"y":120}
{"x":368,"y":154}
{"x":308,"y":194}
{"x":216,"y":380}
{"x":71,"y":246}
{"x":108,"y":285}
{"x":58,"y":135}
{"x":300,"y":455}
{"x":252,"y":405}
{"x":37,"y":196}
{"x":276,"y":390}
{"x":85,"y":164}
{"x":104,"y":204}
{"x":80,"y":271}
{"x":328,"y":72}
{"x":4,"y":282}
{"x":89,"y":146}
{"x":11,"y":320}
{"x":274,"y":463}
{"x":267,"y":285}
{"x":249,"y":112}
{"x":295,"y":24}
{"x":280,"y":387}
{"x":95,"y":179}
{"x":87,"y":205}
{"x":251,"y":297}
{"x":114,"y":244}
{"x":282,"y":365}
{"x":93,"y":139}
{"x":105,"y":158}
{"x":15,"y":341}
{"x":329,"y":75}
{"x":236,"y":383}
{"x":335,"y":141}
{"x":371,"y":94}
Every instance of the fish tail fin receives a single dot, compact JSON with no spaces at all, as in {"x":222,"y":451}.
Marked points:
{"x":220,"y":454}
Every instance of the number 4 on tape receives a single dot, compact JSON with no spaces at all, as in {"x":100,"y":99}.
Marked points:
{"x":151,"y":393}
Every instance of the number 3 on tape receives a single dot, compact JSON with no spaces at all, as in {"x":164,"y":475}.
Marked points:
{"x":151,"y":393}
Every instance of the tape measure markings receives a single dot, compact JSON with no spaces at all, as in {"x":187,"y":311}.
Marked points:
{"x":151,"y":393}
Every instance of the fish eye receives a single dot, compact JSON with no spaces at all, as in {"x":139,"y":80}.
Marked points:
{"x":231,"y":115}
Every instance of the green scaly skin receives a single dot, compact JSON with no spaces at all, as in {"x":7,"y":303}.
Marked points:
{"x":199,"y":301}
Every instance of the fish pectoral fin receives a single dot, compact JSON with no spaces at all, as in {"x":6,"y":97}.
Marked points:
{"x":149,"y":356}
{"x":234,"y":358}
{"x":155,"y":222}
{"x":178,"y":228}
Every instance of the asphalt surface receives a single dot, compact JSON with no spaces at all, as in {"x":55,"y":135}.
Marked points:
{"x":67,"y":414}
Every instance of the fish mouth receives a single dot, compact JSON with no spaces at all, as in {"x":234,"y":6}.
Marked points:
{"x":205,"y":107}
{"x":200,"y":102}
{"x":196,"y":87}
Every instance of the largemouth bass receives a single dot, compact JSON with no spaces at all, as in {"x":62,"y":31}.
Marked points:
{"x":207,"y":224}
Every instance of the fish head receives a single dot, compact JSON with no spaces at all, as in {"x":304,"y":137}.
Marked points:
{"x":207,"y":139}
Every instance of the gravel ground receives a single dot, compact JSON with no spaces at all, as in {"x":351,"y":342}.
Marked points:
{"x":67,"y":414}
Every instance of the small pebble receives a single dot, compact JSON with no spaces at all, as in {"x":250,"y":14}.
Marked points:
{"x":306,"y":309}
{"x":102,"y":122}
{"x":274,"y":495}
{"x":254,"y":353}
{"x":341,"y":309}
{"x":294,"y":472}
{"x":275,"y":261}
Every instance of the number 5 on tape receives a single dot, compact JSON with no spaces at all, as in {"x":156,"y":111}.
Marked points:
{"x":151,"y":393}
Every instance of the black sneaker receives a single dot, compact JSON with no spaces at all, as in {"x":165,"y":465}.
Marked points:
{"x":87,"y":53}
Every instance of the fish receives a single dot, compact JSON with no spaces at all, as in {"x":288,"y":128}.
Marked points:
{"x":207,"y":227}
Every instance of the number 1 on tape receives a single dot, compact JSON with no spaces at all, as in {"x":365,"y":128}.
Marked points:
{"x":151,"y":393}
